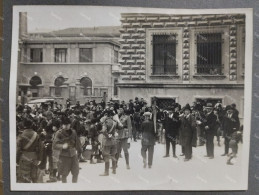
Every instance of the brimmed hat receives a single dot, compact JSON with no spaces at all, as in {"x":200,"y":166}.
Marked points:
{"x":209,"y":105}
{"x":65,"y":120}
{"x":228,"y":107}
{"x":187,"y":107}
{"x":147,"y":114}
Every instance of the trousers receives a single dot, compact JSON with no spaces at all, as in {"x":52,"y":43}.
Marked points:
{"x":150,"y":149}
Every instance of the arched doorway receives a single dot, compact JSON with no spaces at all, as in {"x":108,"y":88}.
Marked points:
{"x":86,"y":85}
{"x":35,"y":81}
{"x":59,"y":81}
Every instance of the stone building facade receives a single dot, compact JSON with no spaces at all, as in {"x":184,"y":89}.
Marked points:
{"x":79,"y":64}
{"x":183,"y":57}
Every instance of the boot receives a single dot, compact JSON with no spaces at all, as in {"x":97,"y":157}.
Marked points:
{"x":127,"y":159}
{"x":106,"y":172}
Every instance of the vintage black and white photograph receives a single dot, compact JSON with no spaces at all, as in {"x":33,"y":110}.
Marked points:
{"x":129,"y":98}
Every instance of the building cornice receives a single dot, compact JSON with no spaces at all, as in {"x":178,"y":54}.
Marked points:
{"x":158,"y":85}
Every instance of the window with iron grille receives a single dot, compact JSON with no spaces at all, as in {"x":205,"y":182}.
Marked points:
{"x":164,"y":54}
{"x":58,"y":83}
{"x":86,"y":85}
{"x":85,"y":55}
{"x":60,"y":55}
{"x":36,"y":55}
{"x":34,"y":82}
{"x":115,"y":90}
{"x":209,"y":53}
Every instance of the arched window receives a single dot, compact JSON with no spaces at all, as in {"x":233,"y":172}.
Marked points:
{"x":35,"y":82}
{"x":86,"y":84}
{"x":59,"y":81}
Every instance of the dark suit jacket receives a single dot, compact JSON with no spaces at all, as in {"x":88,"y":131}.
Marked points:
{"x":149,"y":135}
{"x":230,"y":125}
{"x":171,"y":126}
{"x":211,"y":123}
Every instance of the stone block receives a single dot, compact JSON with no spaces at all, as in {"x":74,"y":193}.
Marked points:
{"x":140,"y":40}
{"x":135,"y":46}
{"x":140,"y":72}
{"x":131,"y":19}
{"x":170,"y":24}
{"x":198,"y":17}
{"x":227,"y":21}
{"x":125,"y":56}
{"x":122,"y":61}
{"x":191,"y":23}
{"x":151,"y":19}
{"x":126,"y":25}
{"x":130,"y":40}
{"x":140,"y":61}
{"x":125,"y":46}
{"x":135,"y":67}
{"x":135,"y":56}
{"x":135,"y":36}
{"x":131,"y":72}
{"x":239,"y":21}
{"x":175,"y":18}
{"x":215,"y":22}
{"x":125,"y":67}
{"x":130,"y":62}
{"x":136,"y":24}
{"x":131,"y":30}
{"x":122,"y":41}
{"x":164,"y":18}
{"x":209,"y":17}
{"x":181,"y":24}
{"x":141,"y":19}
{"x":125,"y":77}
{"x":185,"y":18}
{"x":130,"y":51}
{"x":135,"y":77}
{"x":122,"y":51}
{"x":158,"y":24}
{"x":125,"y":35}
{"x":202,"y":23}
{"x":147,"y":24}
{"x":122,"y":30}
{"x":141,"y":30}
{"x":141,"y":51}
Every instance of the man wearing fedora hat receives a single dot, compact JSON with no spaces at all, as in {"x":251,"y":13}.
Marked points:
{"x":230,"y":124}
{"x":210,"y":131}
{"x":188,"y":135}
{"x":148,"y":139}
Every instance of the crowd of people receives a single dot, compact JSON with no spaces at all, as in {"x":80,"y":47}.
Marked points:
{"x":52,"y":139}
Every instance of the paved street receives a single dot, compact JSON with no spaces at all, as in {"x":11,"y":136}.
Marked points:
{"x":166,"y":173}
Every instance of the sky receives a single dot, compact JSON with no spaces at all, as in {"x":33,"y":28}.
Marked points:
{"x":49,"y":18}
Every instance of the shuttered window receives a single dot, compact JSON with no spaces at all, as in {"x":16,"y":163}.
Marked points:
{"x":60,"y":55}
{"x":36,"y":55}
{"x":164,"y":54}
{"x":85,"y":55}
{"x":209,"y":53}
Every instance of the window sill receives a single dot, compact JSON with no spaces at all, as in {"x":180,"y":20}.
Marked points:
{"x":166,"y":76}
{"x":208,"y":76}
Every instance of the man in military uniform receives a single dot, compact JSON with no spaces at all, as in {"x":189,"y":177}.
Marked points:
{"x":66,"y":139}
{"x":29,"y":154}
{"x":123,"y":135}
{"x":109,"y":142}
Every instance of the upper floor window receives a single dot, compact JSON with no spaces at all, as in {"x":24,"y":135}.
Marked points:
{"x":60,"y":54}
{"x":85,"y":55}
{"x":36,"y":55}
{"x":164,"y":54}
{"x":209,"y":53}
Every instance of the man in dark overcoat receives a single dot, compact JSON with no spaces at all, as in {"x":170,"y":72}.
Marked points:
{"x":171,"y":126}
{"x":188,"y":135}
{"x":230,"y":124}
{"x":210,"y":130}
{"x":148,"y":139}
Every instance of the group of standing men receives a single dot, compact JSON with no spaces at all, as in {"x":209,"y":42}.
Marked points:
{"x":49,"y":135}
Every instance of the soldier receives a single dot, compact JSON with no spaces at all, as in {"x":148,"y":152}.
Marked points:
{"x":67,"y":141}
{"x":29,"y":154}
{"x":109,"y":142}
{"x":123,"y":135}
{"x":148,"y":140}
